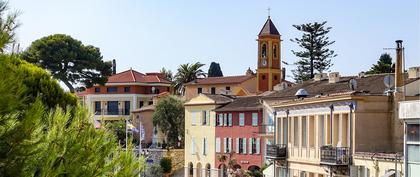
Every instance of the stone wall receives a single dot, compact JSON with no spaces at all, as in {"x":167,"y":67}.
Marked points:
{"x":176,"y":155}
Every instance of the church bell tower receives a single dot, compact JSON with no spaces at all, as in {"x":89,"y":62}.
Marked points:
{"x":269,"y":65}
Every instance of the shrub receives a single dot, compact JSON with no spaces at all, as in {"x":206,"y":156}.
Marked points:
{"x":166,"y":164}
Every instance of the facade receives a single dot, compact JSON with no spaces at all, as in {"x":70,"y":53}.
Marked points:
{"x":124,"y":92}
{"x":200,"y":134}
{"x":269,"y":57}
{"x":409,"y":112}
{"x":340,"y":126}
{"x":229,"y":85}
{"x":237,"y":127}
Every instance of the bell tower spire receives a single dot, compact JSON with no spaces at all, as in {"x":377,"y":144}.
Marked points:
{"x":269,"y":45}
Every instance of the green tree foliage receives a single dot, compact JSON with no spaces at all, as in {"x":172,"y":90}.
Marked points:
{"x":118,"y":129}
{"x":69,"y":60}
{"x":36,"y":140}
{"x":8,"y":26}
{"x":168,"y":74}
{"x":187,"y":73}
{"x":154,"y":170}
{"x":214,"y":70}
{"x":169,"y":117}
{"x":166,"y":164}
{"x":384,"y":65}
{"x":315,"y":54}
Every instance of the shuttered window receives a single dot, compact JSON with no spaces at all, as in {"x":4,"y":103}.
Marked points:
{"x":244,"y":145}
{"x":254,"y":119}
{"x":217,"y":144}
{"x":230,"y":119}
{"x":241,"y":119}
{"x":257,"y":144}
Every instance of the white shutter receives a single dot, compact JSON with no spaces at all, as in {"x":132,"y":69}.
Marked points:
{"x":192,"y":145}
{"x":237,"y":145}
{"x":224,"y":145}
{"x":230,"y":144}
{"x":230,"y":119}
{"x":217,"y":144}
{"x":208,"y":117}
{"x":192,"y":118}
{"x":244,"y":145}
{"x":250,"y":146}
{"x":258,"y":145}
{"x":224,"y":119}
{"x":220,"y":119}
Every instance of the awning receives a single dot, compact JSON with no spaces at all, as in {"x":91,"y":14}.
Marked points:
{"x":389,"y":174}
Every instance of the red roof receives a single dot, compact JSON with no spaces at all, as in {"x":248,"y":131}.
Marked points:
{"x":130,"y":76}
{"x":221,"y":80}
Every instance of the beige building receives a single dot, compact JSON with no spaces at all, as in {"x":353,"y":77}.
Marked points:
{"x":200,"y":134}
{"x":228,"y":85}
{"x":335,"y":125}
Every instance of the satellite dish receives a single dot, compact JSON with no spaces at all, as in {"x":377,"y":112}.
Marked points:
{"x":389,"y":81}
{"x":353,"y":84}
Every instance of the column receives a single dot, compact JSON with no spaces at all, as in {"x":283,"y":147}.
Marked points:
{"x":340,"y":142}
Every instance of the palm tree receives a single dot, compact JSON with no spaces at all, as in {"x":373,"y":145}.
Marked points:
{"x":8,"y":26}
{"x":187,"y":73}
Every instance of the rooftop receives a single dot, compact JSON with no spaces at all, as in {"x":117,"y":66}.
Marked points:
{"x":243,"y":103}
{"x":221,"y":80}
{"x":269,"y":28}
{"x":130,"y":76}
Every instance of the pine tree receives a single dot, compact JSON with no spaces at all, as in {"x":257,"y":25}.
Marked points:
{"x":384,"y":65}
{"x":315,"y":54}
{"x":214,"y":70}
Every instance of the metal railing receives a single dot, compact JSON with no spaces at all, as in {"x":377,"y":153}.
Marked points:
{"x":113,"y":112}
{"x":276,"y":151}
{"x":334,"y":155}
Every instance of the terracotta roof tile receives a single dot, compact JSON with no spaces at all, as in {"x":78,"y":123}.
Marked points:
{"x":220,"y":80}
{"x":135,"y":76}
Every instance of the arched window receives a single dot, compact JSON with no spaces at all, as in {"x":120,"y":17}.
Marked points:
{"x":190,"y":170}
{"x":208,"y":170}
{"x":275,"y":51}
{"x":264,"y":51}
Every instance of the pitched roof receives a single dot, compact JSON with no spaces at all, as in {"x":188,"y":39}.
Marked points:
{"x":220,"y":99}
{"x":243,"y":103}
{"x":370,"y":84}
{"x":220,"y":80}
{"x":131,"y":75}
{"x":144,"y":108}
{"x":269,"y":28}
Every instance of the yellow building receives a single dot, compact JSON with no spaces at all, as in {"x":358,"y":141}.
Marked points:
{"x":200,"y":134}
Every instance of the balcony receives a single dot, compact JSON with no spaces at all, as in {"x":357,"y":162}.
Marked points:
{"x":276,"y":151}
{"x":334,"y":156}
{"x":113,"y":112}
{"x":265,"y":130}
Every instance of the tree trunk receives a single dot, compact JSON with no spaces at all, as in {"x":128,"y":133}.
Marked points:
{"x":71,"y":88}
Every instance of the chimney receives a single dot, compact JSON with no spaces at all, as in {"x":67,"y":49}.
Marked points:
{"x":320,"y":76}
{"x":114,"y":67}
{"x":283,"y":74}
{"x":399,"y":73}
{"x":362,"y":74}
{"x":414,"y":72}
{"x":334,"y":77}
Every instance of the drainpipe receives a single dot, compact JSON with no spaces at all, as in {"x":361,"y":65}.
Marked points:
{"x":286,"y":141}
{"x":351,"y":133}
{"x":275,"y":138}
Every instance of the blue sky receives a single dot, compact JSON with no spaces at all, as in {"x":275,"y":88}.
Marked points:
{"x":149,"y":35}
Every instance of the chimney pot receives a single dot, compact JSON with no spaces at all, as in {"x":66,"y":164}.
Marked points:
{"x":334,"y":77}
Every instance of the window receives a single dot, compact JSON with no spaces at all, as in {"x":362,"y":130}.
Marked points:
{"x":126,"y":89}
{"x":263,"y":77}
{"x":225,"y":119}
{"x":193,"y":118}
{"x":126,"y":108}
{"x":204,"y":146}
{"x":304,"y":136}
{"x":275,"y":51}
{"x":193,"y":145}
{"x":112,"y":108}
{"x":205,"y":118}
{"x":224,"y":145}
{"x":229,"y":119}
{"x":97,"y":107}
{"x":275,"y":77}
{"x":243,"y":145}
{"x":97,"y":89}
{"x":190,"y":170}
{"x":264,"y":51}
{"x":213,"y":90}
{"x":257,"y":146}
{"x":217,"y":144}
{"x":413,"y":132}
{"x":227,"y":88}
{"x":150,"y":102}
{"x":229,"y":145}
{"x":199,"y":90}
{"x":111,"y":89}
{"x":296,"y":131}
{"x":254,"y":119}
{"x":141,"y":103}
{"x":241,"y":119}
{"x":220,"y":120}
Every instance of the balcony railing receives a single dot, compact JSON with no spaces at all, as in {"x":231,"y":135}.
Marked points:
{"x":117,"y":112}
{"x":334,"y":155}
{"x":276,"y":151}
{"x":265,"y":129}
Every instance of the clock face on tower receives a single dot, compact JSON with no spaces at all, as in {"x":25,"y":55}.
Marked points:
{"x":264,"y":62}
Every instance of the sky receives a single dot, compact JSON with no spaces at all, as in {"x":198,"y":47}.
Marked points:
{"x":149,"y":35}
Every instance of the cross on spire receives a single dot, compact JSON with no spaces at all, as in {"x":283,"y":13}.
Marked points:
{"x":268,"y":11}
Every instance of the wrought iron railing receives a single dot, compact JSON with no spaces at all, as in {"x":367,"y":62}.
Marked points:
{"x":276,"y":151}
{"x":113,"y":112}
{"x":334,"y":155}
